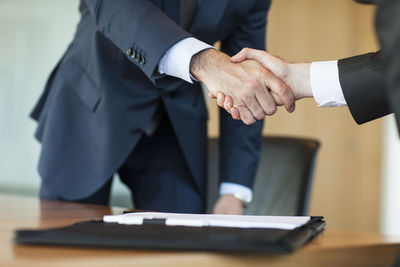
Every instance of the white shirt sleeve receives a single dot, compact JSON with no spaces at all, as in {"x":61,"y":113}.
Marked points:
{"x":232,"y":188}
{"x":325,"y":84}
{"x":176,"y":61}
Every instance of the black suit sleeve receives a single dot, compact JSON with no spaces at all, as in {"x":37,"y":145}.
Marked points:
{"x":137,"y":25}
{"x":362,"y":81}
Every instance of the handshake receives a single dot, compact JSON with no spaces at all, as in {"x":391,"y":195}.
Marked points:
{"x":253,"y":83}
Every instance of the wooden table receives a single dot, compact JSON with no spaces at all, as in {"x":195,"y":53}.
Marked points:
{"x":332,"y":248}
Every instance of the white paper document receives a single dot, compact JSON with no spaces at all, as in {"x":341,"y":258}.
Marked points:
{"x":214,"y":220}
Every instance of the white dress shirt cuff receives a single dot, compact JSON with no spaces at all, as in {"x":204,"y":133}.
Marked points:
{"x":176,"y":61}
{"x":231,"y":189}
{"x":325,"y":84}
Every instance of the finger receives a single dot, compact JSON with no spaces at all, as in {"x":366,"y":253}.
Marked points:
{"x":256,"y":108}
{"x":220,"y":99}
{"x":245,"y":115}
{"x":211,"y":95}
{"x":264,"y":100}
{"x":282,"y":59}
{"x":251,"y":99}
{"x":280,"y":89}
{"x":239,"y":57}
{"x":228,"y":104}
{"x":277,"y":99}
{"x":267,"y":102}
{"x":235,"y":113}
{"x":258,"y":55}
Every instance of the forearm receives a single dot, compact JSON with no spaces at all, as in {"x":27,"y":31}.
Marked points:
{"x":299,"y":77}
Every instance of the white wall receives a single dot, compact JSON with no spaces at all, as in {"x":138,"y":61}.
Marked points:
{"x":390,"y":198}
{"x":33,"y":36}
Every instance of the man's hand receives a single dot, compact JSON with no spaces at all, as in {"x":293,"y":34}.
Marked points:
{"x":228,"y":204}
{"x":248,"y":84}
{"x":296,"y":76}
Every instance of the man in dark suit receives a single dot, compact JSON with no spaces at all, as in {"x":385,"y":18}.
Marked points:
{"x":122,"y":100}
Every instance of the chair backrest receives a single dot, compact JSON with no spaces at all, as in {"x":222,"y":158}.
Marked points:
{"x":284,"y":177}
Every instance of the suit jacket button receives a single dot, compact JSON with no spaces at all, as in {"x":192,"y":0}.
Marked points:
{"x":142,"y":60}
{"x":137,"y":57}
{"x":133,"y":55}
{"x":129,"y":51}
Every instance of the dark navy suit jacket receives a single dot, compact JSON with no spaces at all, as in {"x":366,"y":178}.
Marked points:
{"x":100,"y":98}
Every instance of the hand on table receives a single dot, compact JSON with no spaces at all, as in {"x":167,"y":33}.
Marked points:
{"x":228,"y":204}
{"x":253,"y":90}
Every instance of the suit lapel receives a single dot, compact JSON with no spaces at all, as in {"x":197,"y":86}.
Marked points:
{"x":208,"y":16}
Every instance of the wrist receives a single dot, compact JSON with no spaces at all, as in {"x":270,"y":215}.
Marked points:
{"x":204,"y":63}
{"x":228,"y":204}
{"x":300,"y":81}
{"x":243,"y":200}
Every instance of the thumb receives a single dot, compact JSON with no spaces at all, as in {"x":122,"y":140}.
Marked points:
{"x":239,"y":57}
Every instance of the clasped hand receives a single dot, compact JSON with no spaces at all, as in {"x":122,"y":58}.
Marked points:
{"x":245,"y":88}
{"x":251,"y":84}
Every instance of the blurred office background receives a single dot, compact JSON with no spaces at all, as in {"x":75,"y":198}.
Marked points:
{"x":357,"y":178}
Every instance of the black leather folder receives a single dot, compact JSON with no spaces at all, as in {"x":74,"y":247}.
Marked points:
{"x":154,"y":234}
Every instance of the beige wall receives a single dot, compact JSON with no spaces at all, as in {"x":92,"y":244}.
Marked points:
{"x":347,"y":180}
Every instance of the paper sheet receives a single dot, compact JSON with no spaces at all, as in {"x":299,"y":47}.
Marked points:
{"x":200,"y":220}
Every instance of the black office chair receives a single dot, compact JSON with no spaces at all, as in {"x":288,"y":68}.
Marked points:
{"x":284,"y":176}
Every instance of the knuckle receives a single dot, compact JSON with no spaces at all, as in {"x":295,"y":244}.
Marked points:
{"x":260,"y":116}
{"x":246,"y":96}
{"x":251,"y":121}
{"x":271,"y":110}
{"x":254,"y":85}
{"x":247,"y":121}
{"x":258,"y":113}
